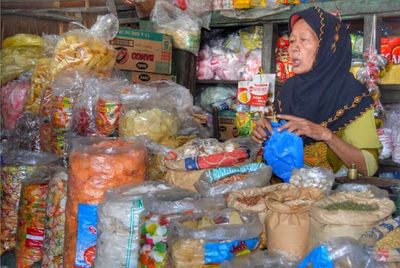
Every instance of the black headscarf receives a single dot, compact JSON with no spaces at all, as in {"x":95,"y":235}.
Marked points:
{"x":328,"y":94}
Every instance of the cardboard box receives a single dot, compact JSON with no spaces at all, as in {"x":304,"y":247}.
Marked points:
{"x":143,"y":51}
{"x":226,"y":125}
{"x":139,"y":77}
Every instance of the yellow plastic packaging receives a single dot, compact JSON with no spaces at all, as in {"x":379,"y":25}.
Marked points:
{"x":252,"y":37}
{"x":391,"y":74}
{"x":242,"y":4}
{"x":19,"y":54}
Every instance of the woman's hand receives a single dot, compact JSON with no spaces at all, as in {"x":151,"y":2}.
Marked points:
{"x":259,"y":132}
{"x":303,"y":127}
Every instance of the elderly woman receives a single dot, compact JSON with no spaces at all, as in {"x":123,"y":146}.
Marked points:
{"x":323,"y":102}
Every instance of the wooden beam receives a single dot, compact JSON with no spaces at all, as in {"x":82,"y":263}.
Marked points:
{"x":267,"y":48}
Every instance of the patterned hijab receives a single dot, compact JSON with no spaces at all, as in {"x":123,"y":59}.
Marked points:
{"x":328,"y":94}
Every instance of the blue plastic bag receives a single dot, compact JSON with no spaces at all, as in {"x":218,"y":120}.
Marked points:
{"x":317,"y":258}
{"x":283,"y":151}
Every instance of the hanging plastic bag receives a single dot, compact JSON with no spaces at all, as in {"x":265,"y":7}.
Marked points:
{"x":16,"y":168}
{"x":283,"y":151}
{"x":233,"y":178}
{"x":341,"y":252}
{"x":31,"y":218}
{"x":184,"y":29}
{"x":19,"y":54}
{"x":95,"y":166}
{"x":53,"y":243}
{"x":212,"y":238}
{"x":88,"y":49}
{"x":13,"y":97}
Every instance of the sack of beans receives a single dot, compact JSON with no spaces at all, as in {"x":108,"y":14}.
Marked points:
{"x":95,"y":166}
{"x":385,"y":238}
{"x":53,"y":243}
{"x":347,"y":214}
{"x":212,"y":238}
{"x":32,"y":217}
{"x":217,"y":182}
{"x":288,"y":221}
{"x":253,"y":200}
{"x":17,"y":167}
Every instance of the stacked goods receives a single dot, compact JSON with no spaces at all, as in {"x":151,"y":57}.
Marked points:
{"x":253,"y":200}
{"x":31,"y":219}
{"x":218,"y":181}
{"x":53,"y":243}
{"x":18,"y":166}
{"x":288,"y":220}
{"x":95,"y":166}
{"x":347,"y":214}
{"x":212,"y":238}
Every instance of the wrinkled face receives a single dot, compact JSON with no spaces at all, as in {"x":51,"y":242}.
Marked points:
{"x":303,"y":47}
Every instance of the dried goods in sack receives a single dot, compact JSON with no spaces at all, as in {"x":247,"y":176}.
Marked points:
{"x":253,"y":200}
{"x":53,"y":243}
{"x":288,"y":221}
{"x":96,"y":165}
{"x":17,"y":167}
{"x":347,"y":214}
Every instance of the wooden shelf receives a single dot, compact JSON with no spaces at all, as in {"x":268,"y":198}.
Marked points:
{"x":216,"y":82}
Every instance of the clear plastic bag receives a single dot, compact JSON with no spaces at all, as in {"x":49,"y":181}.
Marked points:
{"x":88,"y":49}
{"x":95,"y":166}
{"x":316,"y":177}
{"x":208,"y":238}
{"x":19,"y":54}
{"x":171,"y":20}
{"x":214,"y":95}
{"x":239,"y":177}
{"x":13,"y":97}
{"x":341,"y":252}
{"x":17,"y":166}
{"x":366,"y":190}
{"x":26,"y":131}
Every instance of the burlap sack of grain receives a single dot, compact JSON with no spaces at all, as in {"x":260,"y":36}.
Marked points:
{"x":183,"y":179}
{"x":287,"y":219}
{"x":253,"y":199}
{"x":327,"y":224}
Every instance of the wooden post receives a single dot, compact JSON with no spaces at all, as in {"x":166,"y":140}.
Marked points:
{"x":268,"y":51}
{"x":368,"y":27}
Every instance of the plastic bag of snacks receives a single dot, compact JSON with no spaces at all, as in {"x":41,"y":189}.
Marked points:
{"x":219,"y":181}
{"x":161,"y":208}
{"x":284,"y":68}
{"x":211,"y":238}
{"x":13,"y":98}
{"x":347,"y":214}
{"x":19,"y":54}
{"x":341,"y":252}
{"x":31,"y":218}
{"x":253,"y":200}
{"x":365,"y":190}
{"x":385,"y":238}
{"x":53,"y":243}
{"x":209,"y":153}
{"x":88,"y":49}
{"x":98,"y":108}
{"x":316,"y":177}
{"x":17,"y":167}
{"x":95,"y":166}
{"x":119,"y":218}
{"x":184,"y":29}
{"x":288,"y":220}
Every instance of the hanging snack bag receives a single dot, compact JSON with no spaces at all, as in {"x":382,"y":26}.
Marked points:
{"x":53,"y":243}
{"x":219,"y":181}
{"x":212,"y":238}
{"x":17,"y":167}
{"x":88,"y":49}
{"x":31,"y":218}
{"x":209,"y":153}
{"x":95,"y":166}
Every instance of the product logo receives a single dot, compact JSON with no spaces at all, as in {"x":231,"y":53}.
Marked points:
{"x":122,"y":56}
{"x":142,"y":56}
{"x":144,"y":77}
{"x":142,"y":65}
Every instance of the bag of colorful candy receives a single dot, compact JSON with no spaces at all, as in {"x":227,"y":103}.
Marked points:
{"x":96,"y":165}
{"x":219,"y":181}
{"x":17,"y":166}
{"x":88,"y":49}
{"x":211,"y":238}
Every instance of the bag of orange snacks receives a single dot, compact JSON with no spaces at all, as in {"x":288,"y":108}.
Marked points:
{"x":96,"y":165}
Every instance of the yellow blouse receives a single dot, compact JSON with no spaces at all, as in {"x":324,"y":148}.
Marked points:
{"x":360,"y":133}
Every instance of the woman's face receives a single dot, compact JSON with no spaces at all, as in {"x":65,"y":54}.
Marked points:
{"x":303,"y":47}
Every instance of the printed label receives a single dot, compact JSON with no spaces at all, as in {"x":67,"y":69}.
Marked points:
{"x":87,"y":235}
